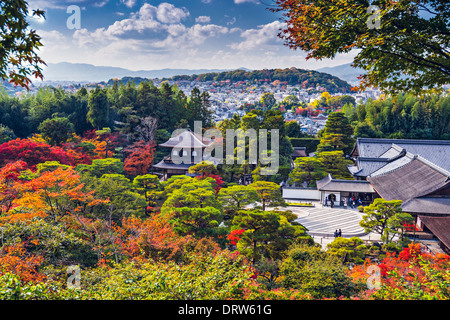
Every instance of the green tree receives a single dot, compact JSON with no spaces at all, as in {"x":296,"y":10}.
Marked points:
{"x":99,"y":167}
{"x":6,"y":134}
{"x":124,"y":201}
{"x":56,"y":130}
{"x":203,"y":168}
{"x":268,"y":100}
{"x":337,"y":134}
{"x":293,"y":129}
{"x":402,"y":47}
{"x":19,"y":44}
{"x":267,"y":234}
{"x":334,"y":163}
{"x":98,"y":108}
{"x":311,"y":270}
{"x":198,"y":108}
{"x":149,"y":186}
{"x":192,"y":193}
{"x":235,"y":197}
{"x":200,"y":222}
{"x":384,"y":217}
{"x":307,"y":169}
{"x":364,"y":130}
{"x":351,"y":250}
{"x":269,"y":193}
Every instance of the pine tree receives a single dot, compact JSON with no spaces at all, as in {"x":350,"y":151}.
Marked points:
{"x":337,"y":134}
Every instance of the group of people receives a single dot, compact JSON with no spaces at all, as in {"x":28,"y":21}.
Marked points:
{"x":331,"y":202}
{"x":352,"y":202}
{"x":338,"y":233}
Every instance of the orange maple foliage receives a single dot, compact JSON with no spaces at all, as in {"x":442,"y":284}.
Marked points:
{"x":53,"y":193}
{"x":151,"y":238}
{"x":14,"y":259}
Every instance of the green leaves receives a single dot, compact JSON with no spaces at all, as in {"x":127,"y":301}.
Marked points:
{"x":18,"y":44}
{"x":384,"y":217}
{"x":408,"y":52}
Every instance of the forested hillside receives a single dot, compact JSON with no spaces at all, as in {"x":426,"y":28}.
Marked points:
{"x":292,"y":76}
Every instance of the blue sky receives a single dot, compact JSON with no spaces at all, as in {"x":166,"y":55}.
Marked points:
{"x":149,"y":34}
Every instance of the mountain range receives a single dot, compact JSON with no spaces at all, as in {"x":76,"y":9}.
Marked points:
{"x":345,"y":72}
{"x":82,"y":72}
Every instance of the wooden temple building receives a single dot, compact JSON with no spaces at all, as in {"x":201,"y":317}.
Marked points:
{"x":185,"y":150}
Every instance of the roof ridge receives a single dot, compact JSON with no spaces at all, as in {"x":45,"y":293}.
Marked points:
{"x":373,"y":159}
{"x":405,"y":141}
{"x":394,"y":169}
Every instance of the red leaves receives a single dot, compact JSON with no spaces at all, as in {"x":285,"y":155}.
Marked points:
{"x":233,"y":237}
{"x":140,"y":158}
{"x":218,"y":181}
{"x":32,"y":153}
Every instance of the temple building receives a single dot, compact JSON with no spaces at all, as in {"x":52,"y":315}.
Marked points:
{"x":339,"y":189}
{"x":378,"y":156}
{"x":186,"y":150}
{"x":414,"y":171}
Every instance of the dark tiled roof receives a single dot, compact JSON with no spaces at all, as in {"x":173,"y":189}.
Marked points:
{"x":428,"y":205}
{"x":330,"y":184}
{"x":415,"y":179}
{"x":299,"y":152}
{"x":439,"y":226}
{"x":436,"y":151}
{"x":172,"y":166}
{"x":365,"y":166}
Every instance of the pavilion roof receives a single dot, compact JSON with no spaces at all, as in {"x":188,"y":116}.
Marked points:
{"x":188,"y":140}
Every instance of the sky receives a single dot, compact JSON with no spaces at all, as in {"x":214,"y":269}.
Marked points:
{"x":152,"y":35}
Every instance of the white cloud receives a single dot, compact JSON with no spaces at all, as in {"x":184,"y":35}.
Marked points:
{"x":199,"y":33}
{"x":168,"y":13}
{"x":151,"y":35}
{"x":264,"y":35}
{"x":203,"y":19}
{"x":163,"y":36}
{"x":129,"y":3}
{"x":231,"y":22}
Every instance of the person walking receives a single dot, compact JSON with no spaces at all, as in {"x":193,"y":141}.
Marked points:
{"x":326,"y":202}
{"x":345,"y":203}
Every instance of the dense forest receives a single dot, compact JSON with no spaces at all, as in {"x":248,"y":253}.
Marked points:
{"x":122,"y":107}
{"x":305,"y":78}
{"x":403,"y":116}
